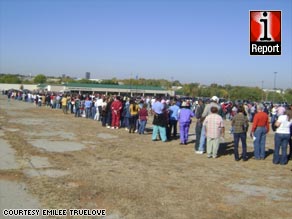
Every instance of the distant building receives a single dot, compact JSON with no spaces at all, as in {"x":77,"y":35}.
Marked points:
{"x":279,"y":91}
{"x":87,"y":75}
{"x":97,"y":80}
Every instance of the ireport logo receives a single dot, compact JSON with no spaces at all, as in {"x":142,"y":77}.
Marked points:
{"x":265,"y":32}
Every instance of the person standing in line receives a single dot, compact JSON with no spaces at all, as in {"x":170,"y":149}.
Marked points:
{"x":127,"y":115}
{"x":282,"y":138}
{"x":252,"y":112}
{"x":77,"y":104}
{"x":116,"y":108}
{"x":143,"y":116}
{"x":87,"y":105}
{"x":166,"y":118}
{"x":274,"y":113}
{"x":58,"y":101}
{"x":207,"y":110}
{"x":98,"y":105}
{"x":173,"y":118}
{"x":245,"y":107}
{"x":290,"y":145}
{"x":214,"y":127}
{"x":134,"y":109}
{"x":92,"y":109}
{"x":199,"y":124}
{"x":260,"y":128}
{"x":97,"y":114}
{"x":184,"y":117}
{"x":159,"y":120}
{"x":104,"y":111}
{"x":109,"y":112}
{"x":240,"y":127}
{"x":64,"y":104}
{"x":9,"y":96}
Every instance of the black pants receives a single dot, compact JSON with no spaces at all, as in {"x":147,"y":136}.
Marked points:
{"x":133,"y":121}
{"x":172,"y":126}
{"x":290,"y":148}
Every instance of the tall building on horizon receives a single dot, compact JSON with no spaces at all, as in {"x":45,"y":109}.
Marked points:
{"x":87,"y":75}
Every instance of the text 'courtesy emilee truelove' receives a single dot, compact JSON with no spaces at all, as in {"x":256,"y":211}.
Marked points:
{"x":54,"y":212}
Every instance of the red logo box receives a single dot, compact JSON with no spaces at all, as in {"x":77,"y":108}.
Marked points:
{"x":265,"y":32}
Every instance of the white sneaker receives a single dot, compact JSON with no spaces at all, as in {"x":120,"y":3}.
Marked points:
{"x":126,"y":129}
{"x":199,"y":152}
{"x":108,"y":127}
{"x":112,"y":127}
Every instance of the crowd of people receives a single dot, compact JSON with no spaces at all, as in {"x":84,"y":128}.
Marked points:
{"x":132,"y":114}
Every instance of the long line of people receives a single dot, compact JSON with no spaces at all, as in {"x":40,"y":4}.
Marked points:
{"x":132,"y":114}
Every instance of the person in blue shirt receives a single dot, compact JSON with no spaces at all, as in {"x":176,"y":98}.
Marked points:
{"x":159,"y":120}
{"x":173,"y":117}
{"x":88,"y":104}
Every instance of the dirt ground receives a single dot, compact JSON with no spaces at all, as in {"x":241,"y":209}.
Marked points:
{"x":67,"y":162}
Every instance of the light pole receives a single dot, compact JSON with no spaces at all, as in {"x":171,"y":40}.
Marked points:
{"x":131,"y":85}
{"x":262,"y":91}
{"x":275,"y":77}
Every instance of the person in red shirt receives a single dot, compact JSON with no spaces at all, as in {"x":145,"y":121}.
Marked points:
{"x":116,"y":108}
{"x":260,"y":128}
{"x":143,"y":116}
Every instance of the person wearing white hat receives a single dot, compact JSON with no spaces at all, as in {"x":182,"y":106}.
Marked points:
{"x":184,"y":117}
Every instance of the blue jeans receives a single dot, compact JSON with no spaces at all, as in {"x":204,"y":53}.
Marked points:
{"x":109,"y":118}
{"x":260,"y":142}
{"x":202,"y":139}
{"x":87,"y":112}
{"x":173,"y":126}
{"x":242,"y":137}
{"x":274,"y":117}
{"x":198,"y":129}
{"x":142,"y":126}
{"x":93,"y":112}
{"x":281,"y":142}
{"x":77,"y":112}
{"x":126,"y":122}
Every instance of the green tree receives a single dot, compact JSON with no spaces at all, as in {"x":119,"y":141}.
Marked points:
{"x":110,"y":81}
{"x":288,"y":95}
{"x":10,"y":79}
{"x":176,"y":83}
{"x":40,"y":79}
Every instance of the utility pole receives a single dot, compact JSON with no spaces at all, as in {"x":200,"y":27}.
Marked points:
{"x":275,"y":77}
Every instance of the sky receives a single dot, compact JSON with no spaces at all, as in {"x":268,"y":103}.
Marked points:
{"x":203,"y":41}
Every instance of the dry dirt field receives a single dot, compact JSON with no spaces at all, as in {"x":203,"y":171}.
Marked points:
{"x":68,"y":162}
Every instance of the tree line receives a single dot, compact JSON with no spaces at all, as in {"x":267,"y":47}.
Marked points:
{"x":227,"y":91}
